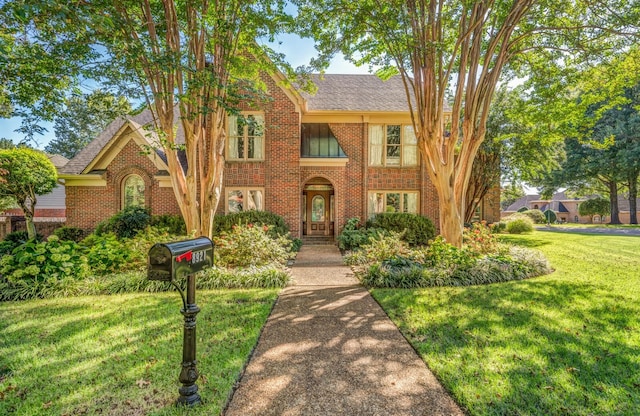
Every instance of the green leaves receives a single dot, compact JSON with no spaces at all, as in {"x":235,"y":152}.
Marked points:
{"x":24,"y":174}
{"x":83,"y":118}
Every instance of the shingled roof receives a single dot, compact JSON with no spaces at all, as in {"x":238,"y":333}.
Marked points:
{"x":356,"y":93}
{"x":139,"y":122}
{"x":348,"y":93}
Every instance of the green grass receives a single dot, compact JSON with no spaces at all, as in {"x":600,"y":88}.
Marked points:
{"x":566,"y":343}
{"x":576,"y":225}
{"x":121,"y":355}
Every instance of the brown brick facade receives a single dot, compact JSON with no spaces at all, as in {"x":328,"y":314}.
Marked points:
{"x":280,"y":175}
{"x":88,"y":205}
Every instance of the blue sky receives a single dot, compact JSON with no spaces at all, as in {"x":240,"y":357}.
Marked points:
{"x":298,"y":51}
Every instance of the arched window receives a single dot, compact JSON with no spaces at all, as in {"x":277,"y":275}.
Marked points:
{"x":133,"y":191}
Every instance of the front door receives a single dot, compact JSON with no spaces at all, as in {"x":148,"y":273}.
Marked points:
{"x":318,"y":218}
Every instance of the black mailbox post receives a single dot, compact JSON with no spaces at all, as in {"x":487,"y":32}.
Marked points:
{"x":168,"y":262}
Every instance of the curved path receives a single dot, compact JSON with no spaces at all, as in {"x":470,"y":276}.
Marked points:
{"x":329,"y":349}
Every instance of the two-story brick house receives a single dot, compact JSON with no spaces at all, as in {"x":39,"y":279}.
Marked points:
{"x":317,"y":160}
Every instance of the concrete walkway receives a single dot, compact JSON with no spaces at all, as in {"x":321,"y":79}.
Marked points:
{"x":329,"y":349}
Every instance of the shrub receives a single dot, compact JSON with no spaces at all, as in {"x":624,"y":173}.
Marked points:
{"x":13,"y":240}
{"x":441,"y":264}
{"x":418,"y":230}
{"x":17,"y":238}
{"x":250,"y":245}
{"x":397,"y":272}
{"x":443,"y":255}
{"x":550,"y":216}
{"x":352,"y":239}
{"x":174,"y":224}
{"x":126,"y":223}
{"x":296,"y":244}
{"x":140,"y":245}
{"x":74,"y":234}
{"x":479,"y":238}
{"x":499,"y":227}
{"x":378,"y":249}
{"x":536,"y":216}
{"x":42,"y":269}
{"x":225,"y":223}
{"x":352,"y":224}
{"x":519,"y":225}
{"x":108,"y":254}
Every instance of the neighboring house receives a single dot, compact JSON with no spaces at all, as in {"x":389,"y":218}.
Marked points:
{"x":566,"y":208}
{"x":317,"y":160}
{"x":50,"y":210}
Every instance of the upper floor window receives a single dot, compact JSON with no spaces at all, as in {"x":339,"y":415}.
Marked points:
{"x":133,"y":191}
{"x":319,"y":141}
{"x":392,"y":145}
{"x":246,"y":137}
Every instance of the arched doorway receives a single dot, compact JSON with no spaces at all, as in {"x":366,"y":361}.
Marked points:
{"x":318,"y":208}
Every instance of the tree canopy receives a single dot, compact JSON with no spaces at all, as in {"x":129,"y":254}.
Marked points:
{"x":451,"y":52}
{"x":192,"y":62}
{"x":83,"y":117}
{"x":594,"y":206}
{"x":24,"y":174}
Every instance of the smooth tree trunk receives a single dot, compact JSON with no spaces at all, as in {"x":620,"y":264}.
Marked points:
{"x":28,"y":218}
{"x":613,"y":200}
{"x":633,"y":195}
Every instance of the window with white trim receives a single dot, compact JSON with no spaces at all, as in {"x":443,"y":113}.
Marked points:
{"x":133,"y":191}
{"x":245,"y":140}
{"x":393,"y":201}
{"x":244,"y":199}
{"x":392,"y":145}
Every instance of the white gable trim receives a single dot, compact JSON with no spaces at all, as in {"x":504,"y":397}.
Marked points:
{"x":129,"y":131}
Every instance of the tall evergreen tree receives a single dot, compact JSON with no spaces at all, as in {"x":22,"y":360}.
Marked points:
{"x":83,"y":118}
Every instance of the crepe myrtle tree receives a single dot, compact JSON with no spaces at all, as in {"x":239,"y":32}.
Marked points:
{"x":194,"y":62}
{"x":24,"y":174}
{"x":454,"y":52}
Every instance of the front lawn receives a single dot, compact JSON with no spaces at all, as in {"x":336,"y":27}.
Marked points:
{"x":121,"y":355}
{"x":577,"y":225}
{"x":566,"y":343}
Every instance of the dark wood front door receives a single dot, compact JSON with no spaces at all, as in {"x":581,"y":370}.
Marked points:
{"x":318,"y":218}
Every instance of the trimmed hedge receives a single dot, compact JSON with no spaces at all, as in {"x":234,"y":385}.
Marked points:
{"x":417,"y":230}
{"x":225,"y":223}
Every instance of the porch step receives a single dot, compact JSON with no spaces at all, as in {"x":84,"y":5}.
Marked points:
{"x":318,"y":241}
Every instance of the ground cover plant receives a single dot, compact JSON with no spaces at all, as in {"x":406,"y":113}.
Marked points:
{"x":388,"y":261}
{"x":565,"y":343}
{"x":121,"y":355}
{"x":106,"y":262}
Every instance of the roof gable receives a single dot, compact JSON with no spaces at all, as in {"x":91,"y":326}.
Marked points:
{"x":336,"y":93}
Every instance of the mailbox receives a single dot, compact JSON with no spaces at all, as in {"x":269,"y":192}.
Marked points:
{"x":168,"y":261}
